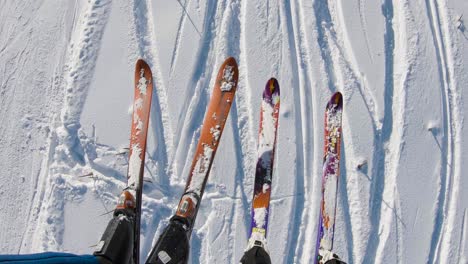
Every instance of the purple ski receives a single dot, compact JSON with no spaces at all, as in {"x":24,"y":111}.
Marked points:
{"x":266,"y":152}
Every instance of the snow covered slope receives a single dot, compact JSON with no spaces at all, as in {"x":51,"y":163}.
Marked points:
{"x":66,"y":72}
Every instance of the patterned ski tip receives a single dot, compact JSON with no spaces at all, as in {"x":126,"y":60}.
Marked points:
{"x":271,"y":94}
{"x":336,"y":99}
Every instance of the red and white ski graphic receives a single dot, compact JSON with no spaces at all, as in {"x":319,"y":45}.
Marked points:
{"x":330,"y":176}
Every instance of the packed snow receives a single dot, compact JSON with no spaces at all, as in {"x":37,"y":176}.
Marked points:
{"x":134,"y":162}
{"x":142,"y":83}
{"x":200,"y":170}
{"x":267,"y":136}
{"x":260,"y":216}
{"x":215,"y":132}
{"x":66,"y":84}
{"x":227,"y":82}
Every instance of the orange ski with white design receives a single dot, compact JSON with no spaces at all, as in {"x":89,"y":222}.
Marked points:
{"x":213,"y":125}
{"x":132,"y":195}
{"x":121,"y":239}
{"x":136,"y":161}
{"x":173,"y":244}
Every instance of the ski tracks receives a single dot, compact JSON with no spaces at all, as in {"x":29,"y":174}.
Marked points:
{"x":160,"y":119}
{"x":82,"y":58}
{"x":399,"y":61}
{"x":443,"y":243}
{"x":303,"y":88}
{"x":64,"y":148}
{"x":179,"y":34}
{"x":11,"y":33}
{"x":196,"y":96}
{"x":361,"y":7}
{"x":244,"y":136}
{"x":388,"y":132}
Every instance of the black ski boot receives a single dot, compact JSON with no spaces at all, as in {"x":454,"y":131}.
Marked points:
{"x":256,"y":255}
{"x":116,"y":244}
{"x":173,"y":244}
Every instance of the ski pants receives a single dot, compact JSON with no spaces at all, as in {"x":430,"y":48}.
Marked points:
{"x":49,"y":258}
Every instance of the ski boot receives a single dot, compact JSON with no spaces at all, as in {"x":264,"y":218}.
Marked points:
{"x":116,"y":244}
{"x":256,"y":253}
{"x":328,"y":257}
{"x":173,"y":244}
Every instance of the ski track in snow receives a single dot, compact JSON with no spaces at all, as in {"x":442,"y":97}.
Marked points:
{"x":159,"y":118}
{"x":384,"y":173}
{"x":290,"y":32}
{"x":241,"y":127}
{"x":462,"y":243}
{"x":305,"y":143}
{"x":447,"y":139}
{"x":179,"y":32}
{"x":42,"y":232}
{"x":450,"y":179}
{"x":309,"y":48}
{"x":196,"y":95}
{"x":378,"y":185}
{"x":362,"y":18}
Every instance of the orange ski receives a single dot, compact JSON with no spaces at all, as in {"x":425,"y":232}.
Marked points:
{"x":173,"y":245}
{"x":213,"y":125}
{"x":136,"y":160}
{"x":120,"y":242}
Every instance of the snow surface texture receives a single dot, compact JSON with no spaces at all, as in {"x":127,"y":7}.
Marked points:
{"x":267,"y":139}
{"x":66,"y":83}
{"x":200,"y":169}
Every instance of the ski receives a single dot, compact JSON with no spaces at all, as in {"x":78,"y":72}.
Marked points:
{"x":256,"y":251}
{"x":121,"y":240}
{"x":330,"y":176}
{"x":173,"y":245}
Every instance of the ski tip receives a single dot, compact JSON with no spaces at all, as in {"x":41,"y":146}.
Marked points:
{"x":141,"y":63}
{"x":272,"y":91}
{"x":336,"y":99}
{"x":231,"y":62}
{"x":228,"y":76}
{"x":272,"y":86}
